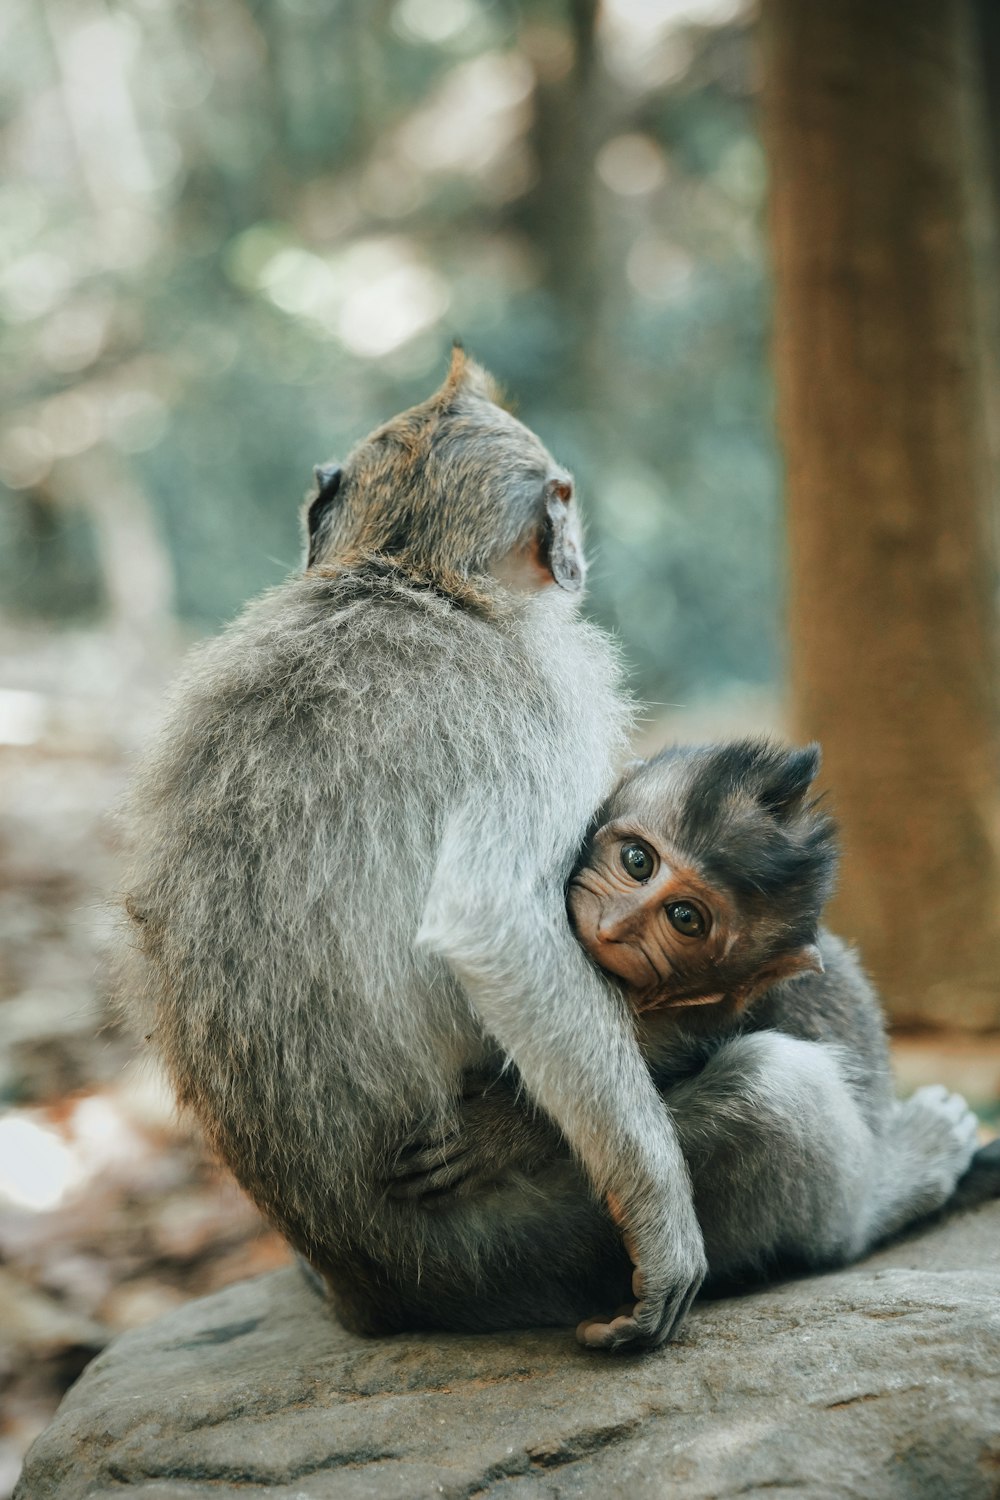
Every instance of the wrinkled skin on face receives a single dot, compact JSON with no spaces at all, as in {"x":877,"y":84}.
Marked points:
{"x":705,"y":884}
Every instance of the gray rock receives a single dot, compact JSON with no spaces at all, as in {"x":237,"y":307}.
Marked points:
{"x":879,"y":1381}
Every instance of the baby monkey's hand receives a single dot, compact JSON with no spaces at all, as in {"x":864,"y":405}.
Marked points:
{"x":491,"y":1132}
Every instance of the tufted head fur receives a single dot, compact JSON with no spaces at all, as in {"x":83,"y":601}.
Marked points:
{"x":444,"y":492}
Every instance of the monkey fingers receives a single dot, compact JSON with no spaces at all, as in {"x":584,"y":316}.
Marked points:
{"x":648,"y":1321}
{"x":644,"y":1324}
{"x":425,"y":1168}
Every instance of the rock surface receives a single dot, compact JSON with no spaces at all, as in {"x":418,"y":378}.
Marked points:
{"x":882,"y":1380}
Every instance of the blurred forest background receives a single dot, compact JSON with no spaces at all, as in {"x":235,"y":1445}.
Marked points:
{"x":236,"y":235}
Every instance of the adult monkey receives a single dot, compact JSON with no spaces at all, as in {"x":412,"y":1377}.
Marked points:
{"x":350,"y":851}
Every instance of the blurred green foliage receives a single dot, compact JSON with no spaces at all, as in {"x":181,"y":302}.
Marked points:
{"x":236,"y":235}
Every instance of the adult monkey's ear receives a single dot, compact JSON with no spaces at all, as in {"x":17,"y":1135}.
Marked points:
{"x":319,"y":510}
{"x":559,"y":548}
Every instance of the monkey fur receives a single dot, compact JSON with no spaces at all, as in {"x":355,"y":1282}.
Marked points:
{"x":785,"y":997}
{"x":349,"y":853}
{"x":701,"y":889}
{"x":350,"y":849}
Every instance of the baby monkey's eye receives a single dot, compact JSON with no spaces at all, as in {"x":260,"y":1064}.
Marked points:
{"x":637,"y":861}
{"x":686,"y":918}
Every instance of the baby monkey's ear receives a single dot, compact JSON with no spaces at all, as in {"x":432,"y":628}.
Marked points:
{"x":804,"y":960}
{"x":783,"y":781}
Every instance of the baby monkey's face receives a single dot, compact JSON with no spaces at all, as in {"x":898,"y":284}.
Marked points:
{"x":646,"y":915}
{"x":706,"y":881}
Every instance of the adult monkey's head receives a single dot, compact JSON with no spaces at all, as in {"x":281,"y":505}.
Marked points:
{"x":452,"y":490}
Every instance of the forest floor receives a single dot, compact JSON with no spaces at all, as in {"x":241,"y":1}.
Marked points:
{"x":111,"y":1212}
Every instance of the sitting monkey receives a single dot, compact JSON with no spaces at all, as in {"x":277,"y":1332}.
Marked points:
{"x":701,"y":891}
{"x":349,"y":851}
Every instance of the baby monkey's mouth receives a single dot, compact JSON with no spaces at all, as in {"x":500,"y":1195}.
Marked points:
{"x":622,"y":958}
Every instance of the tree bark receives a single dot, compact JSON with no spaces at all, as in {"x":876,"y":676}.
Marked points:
{"x":867,"y":112}
{"x":558,"y":214}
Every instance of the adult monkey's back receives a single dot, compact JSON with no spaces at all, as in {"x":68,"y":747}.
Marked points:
{"x":350,"y":848}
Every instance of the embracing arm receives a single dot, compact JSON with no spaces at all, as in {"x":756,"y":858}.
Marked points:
{"x":504,"y":934}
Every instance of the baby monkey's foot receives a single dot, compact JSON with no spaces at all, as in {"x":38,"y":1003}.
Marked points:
{"x":939,"y":1129}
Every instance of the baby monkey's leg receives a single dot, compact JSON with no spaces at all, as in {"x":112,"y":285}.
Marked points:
{"x":781,"y":1158}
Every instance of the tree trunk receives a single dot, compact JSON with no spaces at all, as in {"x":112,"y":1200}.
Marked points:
{"x":558,"y":214}
{"x":894,"y":661}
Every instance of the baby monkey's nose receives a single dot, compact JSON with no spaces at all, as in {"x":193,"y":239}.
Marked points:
{"x":614,"y":926}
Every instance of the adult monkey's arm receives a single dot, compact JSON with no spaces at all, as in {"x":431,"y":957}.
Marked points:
{"x":504,"y":933}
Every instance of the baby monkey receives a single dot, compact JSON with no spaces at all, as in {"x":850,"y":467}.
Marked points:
{"x":700,"y":890}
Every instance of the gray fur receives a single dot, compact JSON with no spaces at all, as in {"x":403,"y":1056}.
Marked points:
{"x":798,"y":1153}
{"x":349,"y":853}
